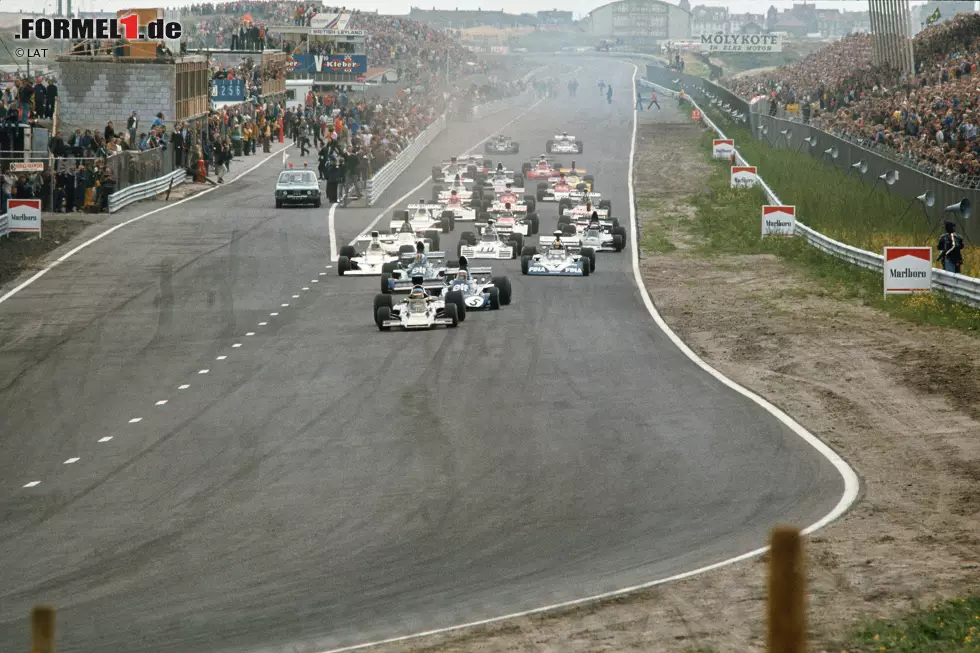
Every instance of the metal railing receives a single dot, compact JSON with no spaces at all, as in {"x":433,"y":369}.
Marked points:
{"x":132,"y":167}
{"x":145,"y":190}
{"x":382,"y":179}
{"x":958,"y":286}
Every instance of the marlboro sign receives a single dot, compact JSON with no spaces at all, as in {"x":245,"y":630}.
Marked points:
{"x":744,"y":176}
{"x":778,"y":221}
{"x":722,"y":148}
{"x":908,"y":270}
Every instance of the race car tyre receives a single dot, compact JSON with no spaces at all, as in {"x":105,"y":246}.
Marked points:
{"x":590,"y":180}
{"x":525,"y":263}
{"x":316,"y":204}
{"x":452,"y":222}
{"x":447,"y":214}
{"x":519,"y":239}
{"x":343,"y":265}
{"x":563,"y":220}
{"x":615,"y":222}
{"x":493,"y":298}
{"x":483,"y":217}
{"x":563,"y":203}
{"x":455,"y":298}
{"x":385,"y":278}
{"x":446,"y":226}
{"x":529,"y":250}
{"x":525,"y":167}
{"x":568,"y":230}
{"x":404,"y":249}
{"x":433,"y":235}
{"x":348,"y":251}
{"x":621,"y":232}
{"x":468,"y":237}
{"x":590,"y":254}
{"x":514,"y":248}
{"x":382,"y":300}
{"x":278,"y":204}
{"x":542,"y":185}
{"x":542,"y":194}
{"x":487,"y":203}
{"x":605,"y":204}
{"x":436,"y":172}
{"x":586,"y":267}
{"x":488,"y":163}
{"x":392,"y":265}
{"x":503,"y":285}
{"x":518,"y":181}
{"x":383,"y":313}
{"x":580,"y":145}
{"x":453,"y":314}
{"x":535,"y":224}
{"x":531,"y":203}
{"x":617,"y":242}
{"x":547,"y":146}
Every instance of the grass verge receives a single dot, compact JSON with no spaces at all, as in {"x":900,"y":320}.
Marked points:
{"x":728,"y":221}
{"x":838,"y":204}
{"x":951,"y":627}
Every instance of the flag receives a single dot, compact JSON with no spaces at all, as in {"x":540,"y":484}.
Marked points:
{"x":934,"y":17}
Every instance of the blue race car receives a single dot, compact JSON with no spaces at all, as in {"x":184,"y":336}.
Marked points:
{"x":562,"y":257}
{"x":478,"y":288}
{"x":396,"y":277}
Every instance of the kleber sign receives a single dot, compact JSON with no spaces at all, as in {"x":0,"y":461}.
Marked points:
{"x":24,"y":215}
{"x":908,"y":270}
{"x":744,"y":176}
{"x":722,"y":148}
{"x":331,"y":63}
{"x":778,"y":220}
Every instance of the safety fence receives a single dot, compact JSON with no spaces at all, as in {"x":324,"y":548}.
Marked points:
{"x":380,"y":182}
{"x":4,"y":226}
{"x":958,"y":286}
{"x":146,"y":190}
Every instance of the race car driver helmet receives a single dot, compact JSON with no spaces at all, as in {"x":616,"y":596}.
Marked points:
{"x":418,"y":292}
{"x":461,"y":275}
{"x":507,"y":205}
{"x":500,"y":167}
{"x":453,"y":197}
{"x":557,"y":244}
{"x":452,"y":159}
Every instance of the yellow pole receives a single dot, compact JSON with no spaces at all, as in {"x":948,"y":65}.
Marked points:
{"x":787,"y":592}
{"x":42,"y":629}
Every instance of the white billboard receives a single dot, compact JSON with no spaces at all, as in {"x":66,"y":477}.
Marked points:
{"x":741,"y":42}
{"x":908,"y":270}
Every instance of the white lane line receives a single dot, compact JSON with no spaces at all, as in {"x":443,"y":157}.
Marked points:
{"x":263,"y":323}
{"x":295,"y":296}
{"x":136,"y":420}
{"x":285,"y":305}
{"x":273,"y":314}
{"x":203,"y":371}
{"x":105,"y":233}
{"x":851,"y":483}
{"x":314,"y":281}
{"x":71,"y":461}
{"x":250,"y":333}
{"x":332,"y":228}
{"x":329,"y":266}
{"x":236,"y":345}
{"x":306,"y":287}
{"x":183,"y":386}
{"x":323,"y":274}
{"x":162,"y":402}
{"x":220,"y":358}
{"x":428,"y":179}
{"x":105,"y":439}
{"x":32,"y":484}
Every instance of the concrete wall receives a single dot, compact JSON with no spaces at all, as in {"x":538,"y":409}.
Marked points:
{"x":93,"y":90}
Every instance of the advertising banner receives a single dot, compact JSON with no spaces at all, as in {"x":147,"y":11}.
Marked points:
{"x":228,"y":90}
{"x":744,"y":176}
{"x":24,"y":216}
{"x":778,"y":221}
{"x":330,"y":63}
{"x":722,"y":148}
{"x":741,"y":43}
{"x":337,"y":20}
{"x":908,"y":270}
{"x":27,"y":166}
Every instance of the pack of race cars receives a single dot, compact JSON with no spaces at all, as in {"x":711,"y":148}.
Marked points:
{"x":495,"y":208}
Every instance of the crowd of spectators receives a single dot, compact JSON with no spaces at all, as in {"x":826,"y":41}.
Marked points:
{"x":929,"y":119}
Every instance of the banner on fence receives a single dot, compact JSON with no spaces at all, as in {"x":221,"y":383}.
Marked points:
{"x":908,"y":270}
{"x":741,"y":43}
{"x":24,"y":216}
{"x":744,"y":176}
{"x":722,"y":148}
{"x":228,"y":90}
{"x":329,"y":63}
{"x":778,"y":220}
{"x":27,"y":166}
{"x":4,"y":225}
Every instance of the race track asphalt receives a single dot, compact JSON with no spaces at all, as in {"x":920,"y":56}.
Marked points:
{"x":326,"y":484}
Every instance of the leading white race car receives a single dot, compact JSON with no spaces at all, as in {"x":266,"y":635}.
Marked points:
{"x":377,"y":252}
{"x":564,"y":144}
{"x":419,"y":310}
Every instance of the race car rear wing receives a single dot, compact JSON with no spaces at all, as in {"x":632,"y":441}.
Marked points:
{"x":426,"y":207}
{"x":498,"y":207}
{"x":571,"y":243}
{"x":406,"y":285}
{"x":472,"y":271}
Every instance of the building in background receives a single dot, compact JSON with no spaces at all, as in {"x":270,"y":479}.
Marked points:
{"x":711,"y":20}
{"x":640,"y":22}
{"x":555,"y":17}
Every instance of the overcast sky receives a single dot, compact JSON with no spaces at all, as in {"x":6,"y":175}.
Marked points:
{"x":402,"y":6}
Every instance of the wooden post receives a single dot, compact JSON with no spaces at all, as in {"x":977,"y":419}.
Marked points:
{"x":787,"y":592}
{"x":42,"y":629}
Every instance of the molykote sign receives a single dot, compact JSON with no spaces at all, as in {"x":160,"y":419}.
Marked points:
{"x":908,"y":270}
{"x":741,"y":43}
{"x":778,"y":220}
{"x":25,"y":216}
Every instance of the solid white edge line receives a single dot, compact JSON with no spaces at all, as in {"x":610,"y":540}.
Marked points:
{"x":429,"y":178}
{"x":851,"y":482}
{"x":94,"y":239}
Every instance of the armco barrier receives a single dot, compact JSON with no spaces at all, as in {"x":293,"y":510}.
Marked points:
{"x":959,"y":286}
{"x":377,"y":184}
{"x":4,"y":225}
{"x":138,"y":192}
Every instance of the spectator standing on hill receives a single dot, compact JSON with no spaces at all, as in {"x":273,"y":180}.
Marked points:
{"x":950,"y":248}
{"x":653,"y":101}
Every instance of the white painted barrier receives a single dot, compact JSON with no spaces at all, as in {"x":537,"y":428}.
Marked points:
{"x":138,"y":192}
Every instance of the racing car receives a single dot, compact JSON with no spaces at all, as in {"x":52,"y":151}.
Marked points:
{"x":561,"y":258}
{"x":375,"y":255}
{"x":491,"y":243}
{"x":502,"y":145}
{"x":601,"y":236}
{"x":423,"y":218}
{"x":564,"y":144}
{"x":580,"y":206}
{"x":441,"y":193}
{"x":513,"y":219}
{"x":420,"y":310}
{"x":561,"y":189}
{"x":397,"y":277}
{"x":543,"y":168}
{"x":461,"y":210}
{"x":478,"y":287}
{"x":467,"y":167}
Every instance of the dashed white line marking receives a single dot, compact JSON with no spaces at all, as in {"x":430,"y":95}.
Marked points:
{"x":71,"y":461}
{"x":323,"y":274}
{"x":105,"y":439}
{"x":135,"y":420}
{"x":314,"y":281}
{"x":306,"y":287}
{"x":328,"y":266}
{"x":262,"y":323}
{"x":250,"y":333}
{"x":284,"y":305}
{"x":273,"y":314}
{"x":183,"y":387}
{"x":236,"y":345}
{"x":162,"y":402}
{"x":203,"y":371}
{"x":295,"y":296}
{"x":33,"y":483}
{"x":220,"y":358}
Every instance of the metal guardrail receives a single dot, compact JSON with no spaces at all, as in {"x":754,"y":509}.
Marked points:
{"x":5,"y":225}
{"x":147,"y":189}
{"x":958,"y":286}
{"x":379,"y":183}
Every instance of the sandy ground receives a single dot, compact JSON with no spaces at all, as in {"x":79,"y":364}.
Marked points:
{"x":896,"y":400}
